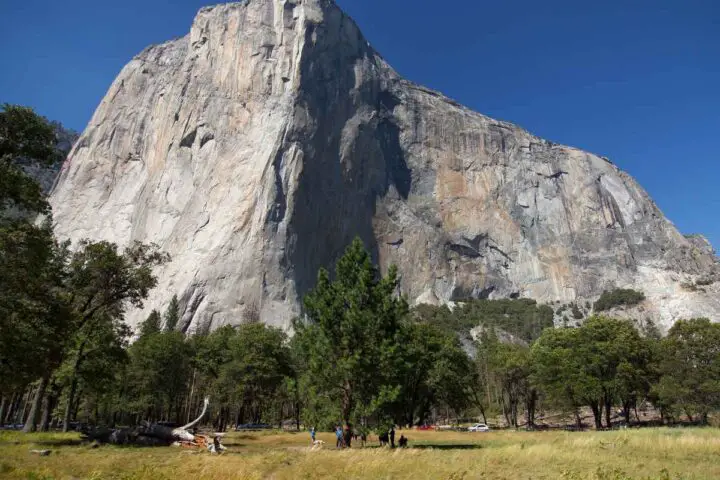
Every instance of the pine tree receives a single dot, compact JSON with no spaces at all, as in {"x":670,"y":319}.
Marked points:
{"x":172,"y":314}
{"x":151,"y":324}
{"x":351,"y":338}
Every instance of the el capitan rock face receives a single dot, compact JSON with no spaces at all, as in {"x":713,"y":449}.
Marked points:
{"x":254,"y":149}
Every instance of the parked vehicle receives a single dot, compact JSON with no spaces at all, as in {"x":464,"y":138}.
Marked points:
{"x":479,"y":427}
{"x":426,"y":427}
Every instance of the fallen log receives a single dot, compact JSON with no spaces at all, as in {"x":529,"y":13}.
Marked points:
{"x":146,"y":434}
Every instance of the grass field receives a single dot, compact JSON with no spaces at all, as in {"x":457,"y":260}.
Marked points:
{"x":629,"y":454}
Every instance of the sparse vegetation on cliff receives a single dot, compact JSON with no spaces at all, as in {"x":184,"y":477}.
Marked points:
{"x":522,"y":318}
{"x":619,"y":297}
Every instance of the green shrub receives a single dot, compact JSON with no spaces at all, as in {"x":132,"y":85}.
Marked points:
{"x":617,"y":298}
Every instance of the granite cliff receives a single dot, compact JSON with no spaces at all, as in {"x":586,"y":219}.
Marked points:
{"x":255,"y":148}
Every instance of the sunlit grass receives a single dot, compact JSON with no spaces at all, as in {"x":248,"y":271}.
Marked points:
{"x":619,"y":455}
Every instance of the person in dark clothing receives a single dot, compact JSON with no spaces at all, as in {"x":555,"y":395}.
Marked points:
{"x":348,"y":436}
{"x":402,"y":443}
{"x":392,"y":437}
{"x":383,"y":437}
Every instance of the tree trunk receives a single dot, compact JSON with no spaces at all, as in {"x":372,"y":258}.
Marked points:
{"x":190,"y":397}
{"x":506,"y":414}
{"x":512,"y":407}
{"x":31,"y":422}
{"x":3,"y":406}
{"x":45,"y":417}
{"x":689,"y":416}
{"x":10,"y":409}
{"x":597,"y":414}
{"x":76,"y":406}
{"x":578,"y":420}
{"x":68,"y":406}
{"x":530,"y":404}
{"x":626,"y":411}
{"x":223,"y":419}
{"x":704,"y":418}
{"x":608,"y":411}
{"x":49,"y":406}
{"x":346,"y":402}
{"x":25,"y":400}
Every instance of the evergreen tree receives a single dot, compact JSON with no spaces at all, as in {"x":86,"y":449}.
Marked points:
{"x":350,"y":338}
{"x":151,"y":324}
{"x":172,"y":314}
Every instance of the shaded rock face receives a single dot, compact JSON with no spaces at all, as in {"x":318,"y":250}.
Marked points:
{"x":254,"y":149}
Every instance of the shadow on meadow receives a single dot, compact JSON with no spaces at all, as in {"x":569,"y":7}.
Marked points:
{"x":445,"y":446}
{"x":64,"y":442}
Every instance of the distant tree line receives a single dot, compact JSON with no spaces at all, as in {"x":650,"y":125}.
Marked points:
{"x":359,"y":355}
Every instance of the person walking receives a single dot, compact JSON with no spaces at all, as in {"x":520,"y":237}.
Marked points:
{"x":312,"y":435}
{"x":339,"y":435}
{"x":392,"y":436}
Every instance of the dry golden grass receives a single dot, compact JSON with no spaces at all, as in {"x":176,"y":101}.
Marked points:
{"x":629,"y":454}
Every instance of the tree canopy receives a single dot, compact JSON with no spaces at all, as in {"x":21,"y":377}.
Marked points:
{"x":350,"y":335}
{"x":23,"y":135}
{"x":690,"y":369}
{"x":600,"y":364}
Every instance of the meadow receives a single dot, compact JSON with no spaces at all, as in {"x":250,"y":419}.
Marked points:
{"x":618,"y":455}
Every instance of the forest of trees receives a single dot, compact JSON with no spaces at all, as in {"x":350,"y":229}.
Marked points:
{"x":357,"y":355}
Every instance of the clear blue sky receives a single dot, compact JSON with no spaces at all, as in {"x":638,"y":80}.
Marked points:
{"x":635,"y":80}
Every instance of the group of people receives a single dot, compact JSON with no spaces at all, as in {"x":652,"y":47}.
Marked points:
{"x":345,"y":437}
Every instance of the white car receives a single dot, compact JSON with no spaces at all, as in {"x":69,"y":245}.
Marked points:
{"x":479,"y":427}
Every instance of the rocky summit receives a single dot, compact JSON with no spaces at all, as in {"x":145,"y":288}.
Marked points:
{"x":254,"y":149}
